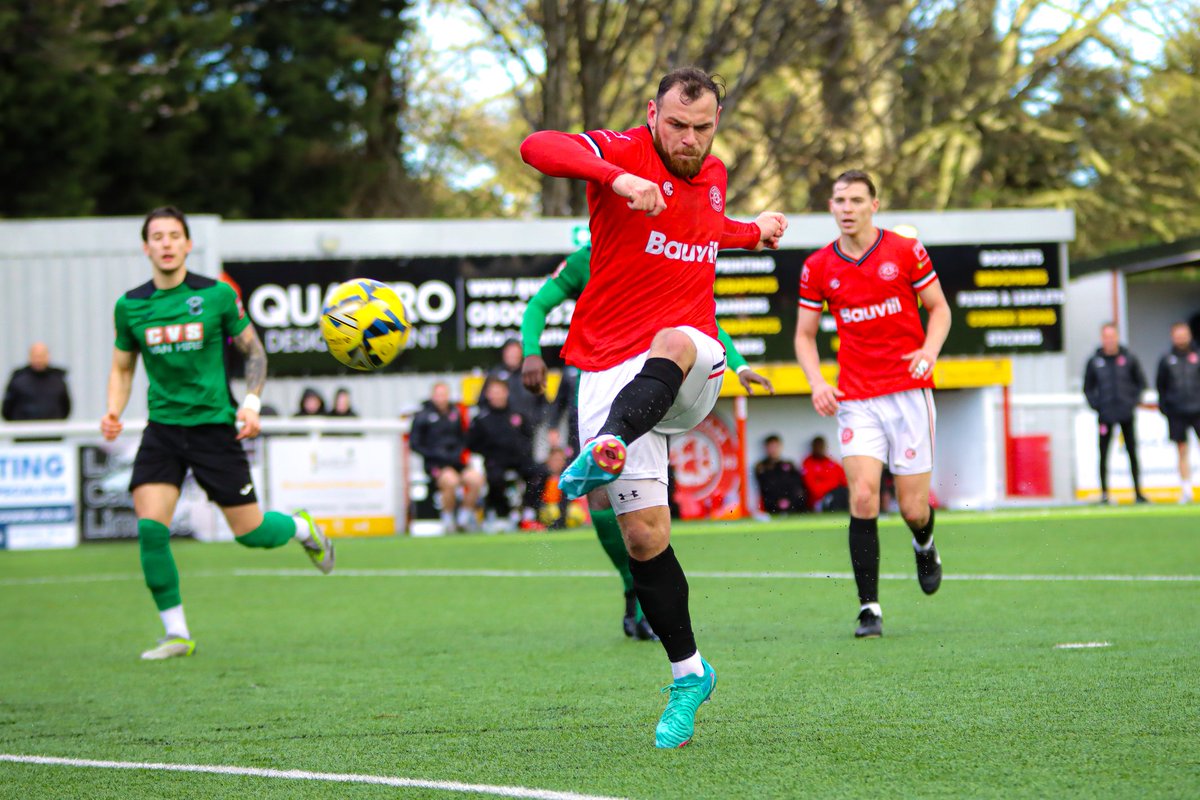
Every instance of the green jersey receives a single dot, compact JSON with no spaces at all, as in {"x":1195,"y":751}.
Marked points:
{"x":181,"y":334}
{"x":568,"y":282}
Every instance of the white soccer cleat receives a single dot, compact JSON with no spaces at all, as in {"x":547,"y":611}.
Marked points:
{"x":170,"y":647}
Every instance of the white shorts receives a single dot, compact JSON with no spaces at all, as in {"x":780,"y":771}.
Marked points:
{"x":896,"y":429}
{"x":646,"y":457}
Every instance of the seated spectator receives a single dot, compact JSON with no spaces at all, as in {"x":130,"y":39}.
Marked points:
{"x":311,"y":403}
{"x":779,"y":483}
{"x":554,"y":502}
{"x":437,"y":435}
{"x":825,"y":479}
{"x":341,"y":404}
{"x":504,"y":437}
{"x":37,"y":391}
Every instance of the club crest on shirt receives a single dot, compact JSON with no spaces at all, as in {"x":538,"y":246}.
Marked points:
{"x":1193,"y":358}
{"x":804,"y":274}
{"x":195,"y":305}
{"x":910,"y":454}
{"x":847,"y":435}
{"x":714,"y":198}
{"x":835,"y":283}
{"x":668,"y":188}
{"x":888,"y":271}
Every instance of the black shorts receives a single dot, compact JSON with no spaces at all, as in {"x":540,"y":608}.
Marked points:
{"x":212,"y":452}
{"x":1177,"y":427}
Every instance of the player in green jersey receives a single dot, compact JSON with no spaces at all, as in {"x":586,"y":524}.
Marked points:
{"x":567,"y":282}
{"x":179,"y":323}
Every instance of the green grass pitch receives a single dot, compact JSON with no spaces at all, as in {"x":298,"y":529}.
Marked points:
{"x":515,"y":673}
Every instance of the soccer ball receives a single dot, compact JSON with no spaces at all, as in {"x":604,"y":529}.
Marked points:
{"x":364,"y":324}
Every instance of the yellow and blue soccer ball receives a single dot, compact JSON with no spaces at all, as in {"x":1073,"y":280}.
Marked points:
{"x":364,"y":324}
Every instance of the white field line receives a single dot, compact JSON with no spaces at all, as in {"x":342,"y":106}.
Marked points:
{"x":1081,"y":645}
{"x":516,"y":573}
{"x":304,"y":775}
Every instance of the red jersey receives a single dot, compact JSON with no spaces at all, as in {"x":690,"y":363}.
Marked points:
{"x":821,"y":476}
{"x":647,"y":273}
{"x":873,"y":299}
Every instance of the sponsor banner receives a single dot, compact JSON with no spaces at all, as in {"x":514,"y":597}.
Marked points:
{"x":38,"y":500}
{"x":1158,"y":458}
{"x":106,"y":504}
{"x":1004,"y":299}
{"x":348,"y":484}
{"x":705,"y":464}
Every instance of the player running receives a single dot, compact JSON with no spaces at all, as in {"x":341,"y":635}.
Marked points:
{"x":872,"y":280}
{"x":179,"y":323}
{"x":568,"y":282}
{"x":644,"y":335}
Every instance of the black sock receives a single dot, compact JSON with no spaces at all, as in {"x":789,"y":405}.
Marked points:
{"x":644,"y":401}
{"x":662,"y":589}
{"x":922,"y":536}
{"x":864,"y":556}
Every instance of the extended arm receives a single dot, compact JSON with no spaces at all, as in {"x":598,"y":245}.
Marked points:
{"x":567,"y":155}
{"x":120,"y":385}
{"x":250,"y":346}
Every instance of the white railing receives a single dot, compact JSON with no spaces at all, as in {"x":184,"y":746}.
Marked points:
{"x":314,"y":426}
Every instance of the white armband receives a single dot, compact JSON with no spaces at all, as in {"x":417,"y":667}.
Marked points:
{"x":252,"y":402}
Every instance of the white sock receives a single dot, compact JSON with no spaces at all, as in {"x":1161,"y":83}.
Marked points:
{"x":303,"y":532}
{"x":873,"y":607}
{"x":174,"y":623}
{"x":921,"y":549}
{"x":447,"y":520}
{"x":689,"y":666}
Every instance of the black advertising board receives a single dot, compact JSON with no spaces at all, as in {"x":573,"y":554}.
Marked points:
{"x":1005,"y":299}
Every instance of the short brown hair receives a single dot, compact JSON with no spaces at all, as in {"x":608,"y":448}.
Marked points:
{"x":165,"y":212}
{"x":692,"y":82}
{"x":856,"y":176}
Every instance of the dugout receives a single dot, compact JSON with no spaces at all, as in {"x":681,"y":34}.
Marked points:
{"x":1144,"y":290}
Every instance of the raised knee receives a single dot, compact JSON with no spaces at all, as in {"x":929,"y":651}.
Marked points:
{"x":676,"y":345}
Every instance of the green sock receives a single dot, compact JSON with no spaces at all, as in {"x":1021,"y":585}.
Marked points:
{"x":608,"y":531}
{"x":276,"y":530}
{"x":158,"y":565}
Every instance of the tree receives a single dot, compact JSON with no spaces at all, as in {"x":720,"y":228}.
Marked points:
{"x":239,"y":107}
{"x":975,"y":103}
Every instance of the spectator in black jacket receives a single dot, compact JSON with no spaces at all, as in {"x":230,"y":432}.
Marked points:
{"x":37,"y":390}
{"x":503,"y":435}
{"x":437,"y":435}
{"x":780,"y":484}
{"x":1113,"y":384}
{"x":1178,"y":384}
{"x":524,"y":402}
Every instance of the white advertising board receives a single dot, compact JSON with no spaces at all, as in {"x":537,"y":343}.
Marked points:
{"x":1158,"y":458}
{"x":38,"y":502}
{"x":347,"y":483}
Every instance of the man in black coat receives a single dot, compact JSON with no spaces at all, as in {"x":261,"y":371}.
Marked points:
{"x":1178,"y":384}
{"x":780,"y":484}
{"x":1113,"y":384}
{"x":38,"y":390}
{"x":504,"y":437}
{"x":437,"y":434}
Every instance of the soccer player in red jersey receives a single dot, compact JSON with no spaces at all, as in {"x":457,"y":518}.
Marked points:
{"x":872,"y":280}
{"x":643,"y":333}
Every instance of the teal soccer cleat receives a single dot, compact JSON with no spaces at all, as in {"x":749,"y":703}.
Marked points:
{"x":678,"y":721}
{"x":599,"y":463}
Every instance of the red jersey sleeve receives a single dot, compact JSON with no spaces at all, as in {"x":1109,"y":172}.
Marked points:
{"x":578,"y":155}
{"x":922,"y":274}
{"x":812,"y":297}
{"x":740,"y":235}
